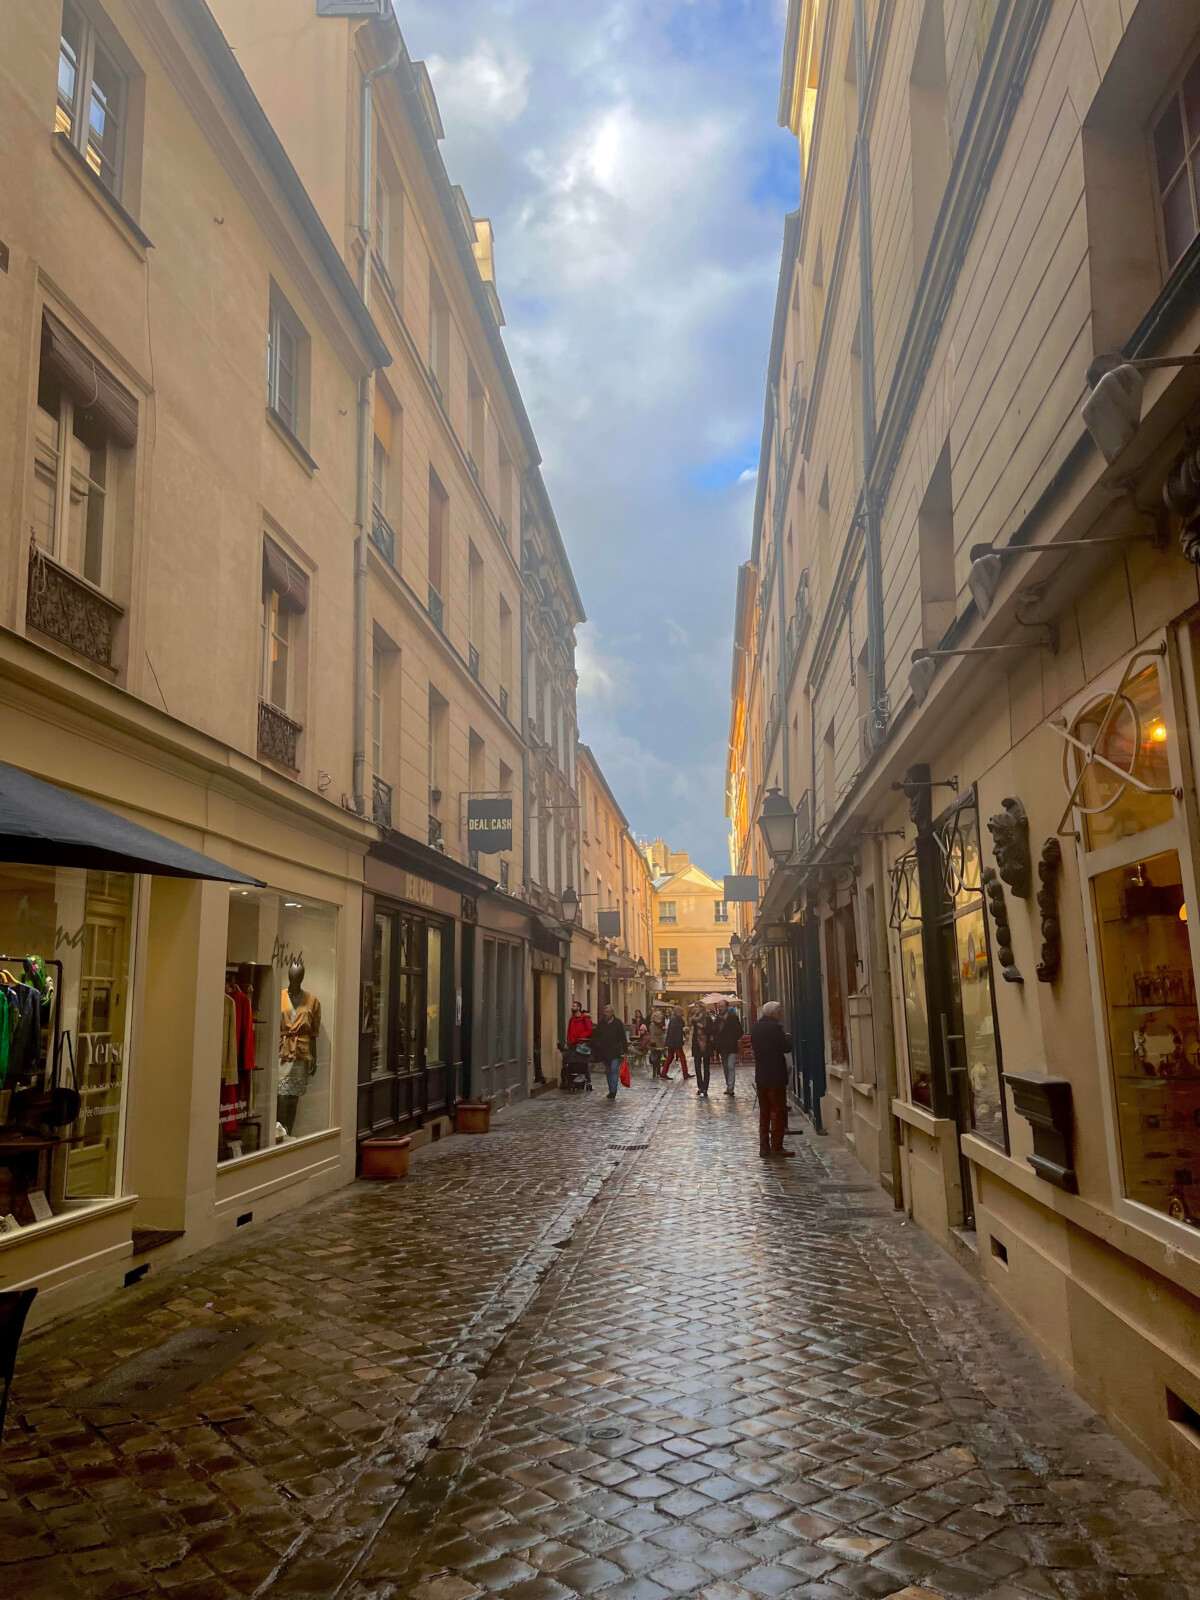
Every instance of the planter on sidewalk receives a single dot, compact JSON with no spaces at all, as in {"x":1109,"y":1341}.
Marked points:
{"x":472,"y":1116}
{"x":385,"y":1158}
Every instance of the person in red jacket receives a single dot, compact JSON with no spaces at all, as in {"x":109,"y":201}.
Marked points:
{"x":580,"y":1025}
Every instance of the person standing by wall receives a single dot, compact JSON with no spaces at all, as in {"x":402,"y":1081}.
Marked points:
{"x":728,"y":1036}
{"x":609,"y":1042}
{"x":771,"y":1045}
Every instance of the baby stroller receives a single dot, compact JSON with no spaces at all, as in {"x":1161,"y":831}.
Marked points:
{"x":576,"y":1068}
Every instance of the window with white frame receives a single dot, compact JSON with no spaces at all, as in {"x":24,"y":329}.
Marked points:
{"x":720,"y":911}
{"x":667,"y":912}
{"x":284,"y":604}
{"x":668,"y":960}
{"x":93,"y":96}
{"x":377,"y":687}
{"x":287,"y":365}
{"x":724,"y":957}
{"x":1176,"y":140}
{"x":85,"y":422}
{"x":1125,"y":770}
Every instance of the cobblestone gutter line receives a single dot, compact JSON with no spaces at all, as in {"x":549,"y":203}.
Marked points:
{"x":380,"y":1306}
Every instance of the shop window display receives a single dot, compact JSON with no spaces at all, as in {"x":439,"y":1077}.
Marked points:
{"x":65,"y":942}
{"x":276,"y":1050}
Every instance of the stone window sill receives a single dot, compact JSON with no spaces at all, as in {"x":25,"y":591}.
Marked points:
{"x":291,"y":440}
{"x":112,"y":208}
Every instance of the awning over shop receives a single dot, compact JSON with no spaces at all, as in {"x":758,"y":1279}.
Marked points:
{"x":43,"y":825}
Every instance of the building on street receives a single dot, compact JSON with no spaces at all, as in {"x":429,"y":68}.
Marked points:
{"x":692,"y":954}
{"x":177,"y":539}
{"x":963,"y":733}
{"x":611,"y":946}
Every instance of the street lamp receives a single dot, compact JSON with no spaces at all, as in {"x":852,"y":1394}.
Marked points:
{"x":777,"y":821}
{"x":1112,"y":413}
{"x":735,"y":945}
{"x":570,"y":903}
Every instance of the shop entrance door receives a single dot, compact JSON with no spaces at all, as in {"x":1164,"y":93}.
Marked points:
{"x":961,"y":1002}
{"x":403,"y":1073}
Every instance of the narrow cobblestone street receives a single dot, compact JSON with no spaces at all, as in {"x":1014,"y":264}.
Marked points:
{"x":603,"y":1351}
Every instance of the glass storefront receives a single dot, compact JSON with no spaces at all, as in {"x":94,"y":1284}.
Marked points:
{"x":279,"y":1021}
{"x":66,"y":937}
{"x":906,"y":919}
{"x":404,"y":1069}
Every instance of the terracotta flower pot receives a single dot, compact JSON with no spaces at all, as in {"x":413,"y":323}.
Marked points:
{"x":472,"y":1116}
{"x":385,"y":1158}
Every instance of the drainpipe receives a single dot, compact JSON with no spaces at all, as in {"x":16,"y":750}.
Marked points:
{"x":871,"y":533}
{"x":366,"y":405}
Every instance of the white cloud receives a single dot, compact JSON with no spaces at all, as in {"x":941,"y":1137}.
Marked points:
{"x":617,"y":147}
{"x":750,"y":475}
{"x":486,"y":87}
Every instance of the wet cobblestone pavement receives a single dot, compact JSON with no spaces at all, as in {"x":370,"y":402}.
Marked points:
{"x":604,"y":1351}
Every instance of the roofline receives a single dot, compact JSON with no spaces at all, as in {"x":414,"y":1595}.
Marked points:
{"x":587,"y":751}
{"x":787,"y":83}
{"x":787,"y":257}
{"x":543,"y":496}
{"x":405,"y":76}
{"x":228,"y":72}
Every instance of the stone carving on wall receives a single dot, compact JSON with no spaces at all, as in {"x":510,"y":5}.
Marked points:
{"x":994,"y":889}
{"x":1009,"y":829}
{"x":1049,"y":863}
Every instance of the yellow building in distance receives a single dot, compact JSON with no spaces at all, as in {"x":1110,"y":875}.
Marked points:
{"x":691,"y":927}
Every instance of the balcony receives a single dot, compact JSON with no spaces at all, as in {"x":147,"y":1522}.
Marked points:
{"x":435,"y":835}
{"x":473,"y":661}
{"x":383,"y":536}
{"x":381,"y":803}
{"x":278,"y":736}
{"x":437,"y":610}
{"x":503,"y":701}
{"x":69,"y":610}
{"x":504,"y":870}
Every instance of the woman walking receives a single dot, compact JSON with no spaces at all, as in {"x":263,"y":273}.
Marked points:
{"x":675,"y":1044}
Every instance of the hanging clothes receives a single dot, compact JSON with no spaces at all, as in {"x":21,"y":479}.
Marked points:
{"x":299,"y":1025}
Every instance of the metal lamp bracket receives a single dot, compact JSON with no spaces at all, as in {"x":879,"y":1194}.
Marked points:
{"x":907,"y":785}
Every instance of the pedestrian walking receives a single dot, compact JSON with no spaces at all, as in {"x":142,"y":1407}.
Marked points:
{"x":675,"y":1044}
{"x":580,"y":1026}
{"x":728,"y":1036}
{"x":771,"y":1046}
{"x":609,"y":1043}
{"x":658,"y":1043}
{"x":639,"y":1040}
{"x":702,"y":1053}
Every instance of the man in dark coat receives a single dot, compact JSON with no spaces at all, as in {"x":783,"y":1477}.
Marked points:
{"x":609,"y":1043}
{"x":675,"y":1044}
{"x":728,"y":1038}
{"x":771,"y":1046}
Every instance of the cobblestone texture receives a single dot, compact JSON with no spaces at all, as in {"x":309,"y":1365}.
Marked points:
{"x":605,"y":1350}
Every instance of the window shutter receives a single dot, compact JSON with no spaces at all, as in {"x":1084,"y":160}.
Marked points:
{"x":383,"y":421}
{"x":92,"y":388}
{"x":282,"y":574}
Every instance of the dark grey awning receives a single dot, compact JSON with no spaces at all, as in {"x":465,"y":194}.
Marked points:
{"x":43,"y":825}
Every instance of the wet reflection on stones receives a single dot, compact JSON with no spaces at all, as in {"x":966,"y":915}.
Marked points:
{"x":548,"y":1366}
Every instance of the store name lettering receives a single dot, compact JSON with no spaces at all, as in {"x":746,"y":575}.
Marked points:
{"x":283,"y":955}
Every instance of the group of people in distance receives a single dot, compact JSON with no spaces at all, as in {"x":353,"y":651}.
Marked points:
{"x":716,"y":1034}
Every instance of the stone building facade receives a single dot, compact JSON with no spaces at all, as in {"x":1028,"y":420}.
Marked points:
{"x":986,"y":733}
{"x":613,"y":967}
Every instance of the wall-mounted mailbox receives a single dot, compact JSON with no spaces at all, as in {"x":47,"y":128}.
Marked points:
{"x":1046,"y":1104}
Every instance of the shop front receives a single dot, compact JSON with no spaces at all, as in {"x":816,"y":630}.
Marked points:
{"x":418,"y":929}
{"x":548,"y":955}
{"x":170,"y":1038}
{"x":499,"y":1045}
{"x":583,"y":969}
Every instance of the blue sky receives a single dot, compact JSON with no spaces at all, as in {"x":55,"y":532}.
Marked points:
{"x":628,"y":155}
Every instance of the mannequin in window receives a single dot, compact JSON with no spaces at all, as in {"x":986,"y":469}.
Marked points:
{"x":299,"y":1026}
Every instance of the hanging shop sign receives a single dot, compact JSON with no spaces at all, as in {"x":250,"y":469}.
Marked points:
{"x":741,"y":889}
{"x":490,"y":824}
{"x":608,"y":924}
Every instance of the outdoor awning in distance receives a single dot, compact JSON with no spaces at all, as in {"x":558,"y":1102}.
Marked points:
{"x":43,"y":825}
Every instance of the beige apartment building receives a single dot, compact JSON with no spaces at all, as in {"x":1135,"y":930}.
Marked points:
{"x":176,"y":592}
{"x":692,"y":925}
{"x":612,"y":946}
{"x":464,"y":584}
{"x":972,"y":737}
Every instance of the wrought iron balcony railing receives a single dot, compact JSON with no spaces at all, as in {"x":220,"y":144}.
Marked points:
{"x":68,"y":609}
{"x":381,"y":803}
{"x":437,"y":610}
{"x":383,"y":536}
{"x":278,"y":736}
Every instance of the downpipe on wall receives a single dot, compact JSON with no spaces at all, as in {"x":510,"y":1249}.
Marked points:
{"x":366,"y":406}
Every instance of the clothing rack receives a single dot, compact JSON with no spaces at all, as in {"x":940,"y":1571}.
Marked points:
{"x":56,"y":1010}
